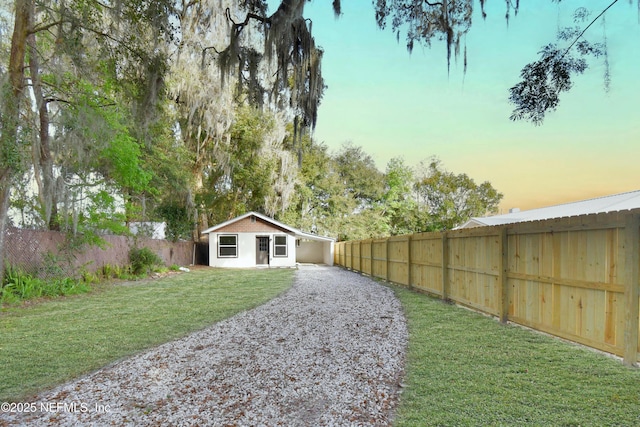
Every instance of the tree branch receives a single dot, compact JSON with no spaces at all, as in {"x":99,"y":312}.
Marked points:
{"x":586,"y":28}
{"x":204,"y":50}
{"x":46,"y":27}
{"x":55,"y":99}
{"x":247,"y":18}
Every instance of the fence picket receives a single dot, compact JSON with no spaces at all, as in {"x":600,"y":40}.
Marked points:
{"x":576,"y":277}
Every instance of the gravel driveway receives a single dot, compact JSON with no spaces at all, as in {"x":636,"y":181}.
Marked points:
{"x":330,"y":351}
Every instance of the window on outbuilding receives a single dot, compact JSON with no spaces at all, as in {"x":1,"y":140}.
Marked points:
{"x":227,"y":246}
{"x":280,"y":246}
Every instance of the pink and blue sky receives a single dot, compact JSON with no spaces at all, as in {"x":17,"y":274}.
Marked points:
{"x":396,"y":104}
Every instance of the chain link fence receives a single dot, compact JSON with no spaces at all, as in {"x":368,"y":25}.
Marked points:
{"x":50,"y":255}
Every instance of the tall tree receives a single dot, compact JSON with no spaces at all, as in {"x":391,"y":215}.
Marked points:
{"x":204,"y":104}
{"x":257,"y":173}
{"x":399,"y":204}
{"x":66,"y":51}
{"x":360,"y":175}
{"x":320,"y":200}
{"x":89,"y":88}
{"x":13,"y":86}
{"x":327,"y":200}
{"x":447,"y":200}
{"x":289,"y":43}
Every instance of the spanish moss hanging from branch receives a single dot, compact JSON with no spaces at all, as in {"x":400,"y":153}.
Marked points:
{"x":289,"y":47}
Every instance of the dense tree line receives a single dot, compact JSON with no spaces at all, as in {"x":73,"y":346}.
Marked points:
{"x":344,"y":195}
{"x":192,"y":112}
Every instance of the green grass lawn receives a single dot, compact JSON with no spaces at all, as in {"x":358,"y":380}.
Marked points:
{"x":465,"y":369}
{"x":47,"y":343}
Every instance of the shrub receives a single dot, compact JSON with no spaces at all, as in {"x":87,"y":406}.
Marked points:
{"x":143,"y":260}
{"x":89,"y":277}
{"x":8,"y":297}
{"x":109,"y":271}
{"x":19,"y":286}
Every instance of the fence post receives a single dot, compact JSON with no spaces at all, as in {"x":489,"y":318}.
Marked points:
{"x":409,"y":261}
{"x":371,"y":257}
{"x":502,"y":275}
{"x":351,"y":256}
{"x":632,"y":260}
{"x":386,"y":242}
{"x":445,"y":266}
{"x":343,"y":255}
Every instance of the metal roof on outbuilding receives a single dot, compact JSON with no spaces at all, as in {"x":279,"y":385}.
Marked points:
{"x":613,"y":203}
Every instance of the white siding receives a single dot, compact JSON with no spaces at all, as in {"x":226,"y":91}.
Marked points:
{"x":279,"y":261}
{"x":246,"y":253}
{"x":315,"y":251}
{"x":311,"y":251}
{"x":328,"y":252}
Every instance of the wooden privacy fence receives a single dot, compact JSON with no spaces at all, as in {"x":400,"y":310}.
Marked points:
{"x":576,"y":277}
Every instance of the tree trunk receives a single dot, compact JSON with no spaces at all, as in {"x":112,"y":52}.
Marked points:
{"x":42,"y":159}
{"x":9,"y":149}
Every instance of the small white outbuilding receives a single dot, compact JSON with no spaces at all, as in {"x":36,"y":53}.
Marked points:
{"x":255,"y":240}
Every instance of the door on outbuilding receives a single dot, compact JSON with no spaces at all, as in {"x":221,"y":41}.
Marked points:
{"x":262,"y":250}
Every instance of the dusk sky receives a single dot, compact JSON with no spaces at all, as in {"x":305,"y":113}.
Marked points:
{"x":396,"y":104}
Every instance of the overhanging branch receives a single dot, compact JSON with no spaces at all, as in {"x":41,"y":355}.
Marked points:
{"x":586,"y":28}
